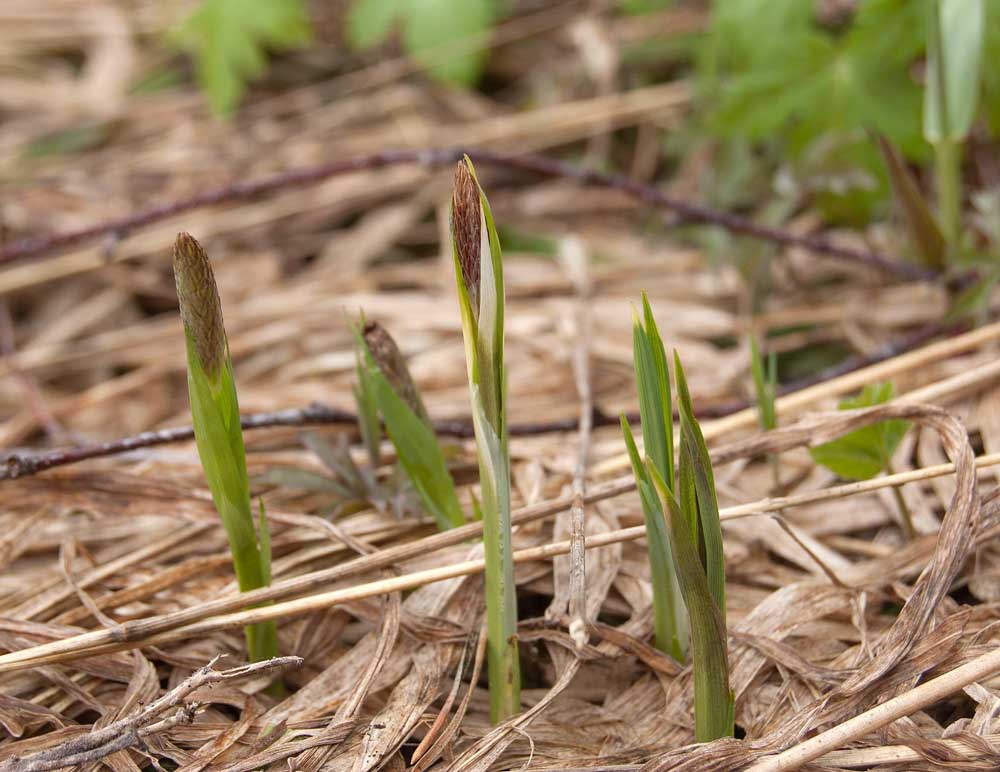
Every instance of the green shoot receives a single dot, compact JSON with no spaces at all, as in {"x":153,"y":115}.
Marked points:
{"x":216,"y":417}
{"x":867,"y":451}
{"x":695,"y":535}
{"x":954,"y":60}
{"x":229,"y":39}
{"x":479,"y":275}
{"x":920,"y":222}
{"x":656,"y":412}
{"x":385,"y":382}
{"x":765,"y":386}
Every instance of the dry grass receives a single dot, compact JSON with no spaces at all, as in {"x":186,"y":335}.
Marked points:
{"x":116,"y":585}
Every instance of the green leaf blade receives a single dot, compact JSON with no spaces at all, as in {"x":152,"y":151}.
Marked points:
{"x":443,"y":36}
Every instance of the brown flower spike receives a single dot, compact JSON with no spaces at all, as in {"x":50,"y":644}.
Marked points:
{"x":391,"y":362}
{"x":467,"y":229}
{"x":201,"y":309}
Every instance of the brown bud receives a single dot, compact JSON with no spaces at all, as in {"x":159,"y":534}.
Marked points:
{"x":390,"y":361}
{"x":201,"y":310}
{"x":466,"y":229}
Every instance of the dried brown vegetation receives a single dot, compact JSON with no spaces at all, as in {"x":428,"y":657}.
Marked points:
{"x":115,"y":579}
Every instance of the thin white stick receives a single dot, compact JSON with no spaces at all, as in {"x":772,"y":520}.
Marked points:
{"x":102,"y":641}
{"x":881,"y":715}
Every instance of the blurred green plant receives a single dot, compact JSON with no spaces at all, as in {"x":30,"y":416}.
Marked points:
{"x":831,"y":79}
{"x":866,"y":452}
{"x":955,"y":32}
{"x":215,"y":414}
{"x":695,"y":534}
{"x":765,"y":386}
{"x":479,"y":276}
{"x":229,"y":40}
{"x":656,"y":410}
{"x":447,"y":38}
{"x":385,"y":387}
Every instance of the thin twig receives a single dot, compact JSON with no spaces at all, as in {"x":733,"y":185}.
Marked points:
{"x":23,"y":464}
{"x":534,"y":164}
{"x":129,"y":731}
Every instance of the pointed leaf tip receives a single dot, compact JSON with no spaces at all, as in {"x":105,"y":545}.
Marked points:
{"x":467,"y":228}
{"x":200,"y":307}
{"x":391,"y":362}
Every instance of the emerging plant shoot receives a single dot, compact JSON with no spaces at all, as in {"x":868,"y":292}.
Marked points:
{"x":479,"y":274}
{"x":215,"y":413}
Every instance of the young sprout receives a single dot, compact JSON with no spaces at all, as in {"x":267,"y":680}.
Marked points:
{"x":656,"y":412}
{"x":867,"y":451}
{"x":386,"y":385}
{"x":765,"y":387}
{"x":695,"y":535}
{"x":479,"y":275}
{"x":216,"y":417}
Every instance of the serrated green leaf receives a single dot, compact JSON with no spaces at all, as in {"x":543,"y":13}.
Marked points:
{"x":370,"y":21}
{"x":445,"y":37}
{"x":865,"y":452}
{"x":954,"y":62}
{"x":229,"y":38}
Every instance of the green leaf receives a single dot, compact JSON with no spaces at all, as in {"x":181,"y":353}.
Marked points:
{"x":364,"y":398}
{"x":867,"y":451}
{"x":446,"y":37}
{"x":710,"y":526}
{"x":228,"y":39}
{"x":653,"y":384}
{"x":920,"y":222}
{"x":670,"y":624}
{"x":264,"y":537}
{"x":713,"y":698}
{"x":764,"y":386}
{"x":370,"y":21}
{"x":808,"y":83}
{"x":973,"y":301}
{"x":954,"y":62}
{"x":419,"y":454}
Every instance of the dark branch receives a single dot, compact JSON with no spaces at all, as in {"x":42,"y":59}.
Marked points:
{"x":535,"y":164}
{"x":25,"y":464}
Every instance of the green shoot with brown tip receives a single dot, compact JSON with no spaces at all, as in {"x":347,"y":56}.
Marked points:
{"x":216,"y":417}
{"x":385,"y":383}
{"x":479,"y":276}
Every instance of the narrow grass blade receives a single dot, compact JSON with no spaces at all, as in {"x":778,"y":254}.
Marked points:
{"x":670,"y":624}
{"x":713,"y":699}
{"x":653,"y":384}
{"x":920,"y":221}
{"x":710,"y":526}
{"x":764,"y":386}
